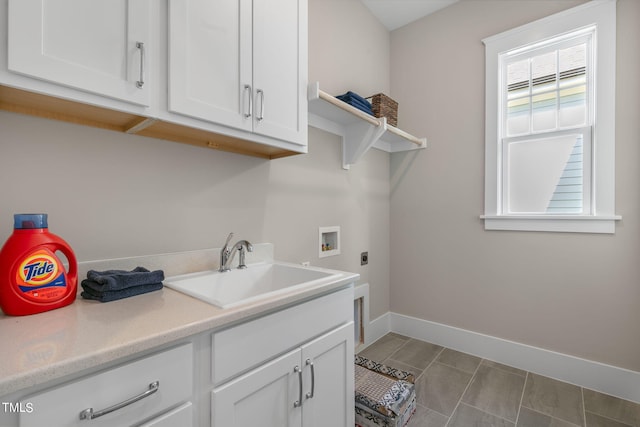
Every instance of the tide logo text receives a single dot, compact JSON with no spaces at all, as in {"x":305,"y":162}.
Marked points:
{"x":37,"y":269}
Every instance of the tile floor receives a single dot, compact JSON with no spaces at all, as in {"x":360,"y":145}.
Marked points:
{"x":455,"y":389}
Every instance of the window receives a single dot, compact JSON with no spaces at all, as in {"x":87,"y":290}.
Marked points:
{"x":546,"y":116}
{"x":550,"y":131}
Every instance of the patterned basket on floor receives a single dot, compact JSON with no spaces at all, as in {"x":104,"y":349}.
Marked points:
{"x":385,"y":396}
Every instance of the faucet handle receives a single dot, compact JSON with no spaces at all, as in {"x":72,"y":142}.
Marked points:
{"x":225,"y":253}
{"x":228,"y":240}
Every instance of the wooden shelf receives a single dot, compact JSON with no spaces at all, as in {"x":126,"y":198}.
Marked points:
{"x":359,"y":130}
{"x":20,"y":101}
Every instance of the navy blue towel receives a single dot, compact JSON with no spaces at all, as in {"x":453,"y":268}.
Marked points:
{"x":356,"y":101}
{"x":352,"y":96}
{"x":115,"y":280}
{"x":105,"y":296}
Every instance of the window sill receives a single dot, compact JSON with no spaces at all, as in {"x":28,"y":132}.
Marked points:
{"x":556,"y":223}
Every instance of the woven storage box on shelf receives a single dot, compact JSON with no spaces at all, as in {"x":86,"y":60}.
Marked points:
{"x":383,"y":106}
{"x":385,"y":396}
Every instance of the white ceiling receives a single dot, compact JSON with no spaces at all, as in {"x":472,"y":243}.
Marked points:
{"x":396,"y":13}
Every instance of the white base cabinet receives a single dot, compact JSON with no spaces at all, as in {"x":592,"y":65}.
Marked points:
{"x":292,"y":367}
{"x":264,"y":397}
{"x":309,"y":386}
{"x":328,"y":394}
{"x":181,"y":416}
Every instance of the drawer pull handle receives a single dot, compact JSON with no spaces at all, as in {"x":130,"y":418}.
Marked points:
{"x":313,"y":379}
{"x":140,"y":82}
{"x":89,"y":414}
{"x":298,"y":402}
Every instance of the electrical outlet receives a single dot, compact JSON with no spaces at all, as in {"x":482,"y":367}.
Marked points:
{"x":364,"y":258}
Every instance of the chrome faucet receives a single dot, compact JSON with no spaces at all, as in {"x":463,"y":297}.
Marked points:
{"x":227,"y":254}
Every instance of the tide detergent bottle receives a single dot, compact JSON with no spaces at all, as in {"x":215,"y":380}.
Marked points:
{"x":32,"y":277}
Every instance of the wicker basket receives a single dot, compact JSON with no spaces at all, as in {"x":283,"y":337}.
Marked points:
{"x":383,"y":106}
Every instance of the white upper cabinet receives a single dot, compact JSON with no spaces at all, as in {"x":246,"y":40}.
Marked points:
{"x":222,"y":74}
{"x":210,"y":60}
{"x":241,"y":63}
{"x":95,"y":46}
{"x":280,"y":68}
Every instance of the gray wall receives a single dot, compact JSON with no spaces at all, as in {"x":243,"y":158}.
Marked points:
{"x":348,"y":48}
{"x":577,"y":294}
{"x":113,"y":195}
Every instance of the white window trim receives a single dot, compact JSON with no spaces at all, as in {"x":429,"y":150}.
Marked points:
{"x":602,"y":13}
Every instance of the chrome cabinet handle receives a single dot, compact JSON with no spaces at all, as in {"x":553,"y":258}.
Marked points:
{"x":140,"y":82}
{"x":260,"y":93}
{"x":89,"y":414}
{"x":298,"y":403}
{"x":250,"y":112}
{"x":313,"y":379}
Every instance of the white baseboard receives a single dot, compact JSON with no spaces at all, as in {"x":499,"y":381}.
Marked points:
{"x":608,"y":379}
{"x":378,"y":328}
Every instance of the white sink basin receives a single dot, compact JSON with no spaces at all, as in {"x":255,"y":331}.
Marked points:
{"x":237,"y":287}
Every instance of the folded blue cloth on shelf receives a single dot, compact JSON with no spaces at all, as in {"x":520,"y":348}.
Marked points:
{"x":356,"y":101}
{"x":352,"y":96}
{"x":89,"y":291}
{"x":361,"y":107}
{"x":114,"y":280}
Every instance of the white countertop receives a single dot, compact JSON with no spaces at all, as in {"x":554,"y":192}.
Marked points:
{"x":43,"y":347}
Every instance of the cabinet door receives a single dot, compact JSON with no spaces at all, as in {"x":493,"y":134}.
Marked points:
{"x":210,"y":60}
{"x":280,"y":69}
{"x":96,"y":46}
{"x":263,"y":397}
{"x":329,"y":380}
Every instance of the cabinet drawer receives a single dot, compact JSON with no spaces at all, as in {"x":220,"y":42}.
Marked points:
{"x":240,"y":348}
{"x":181,"y":416}
{"x":61,"y":406}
